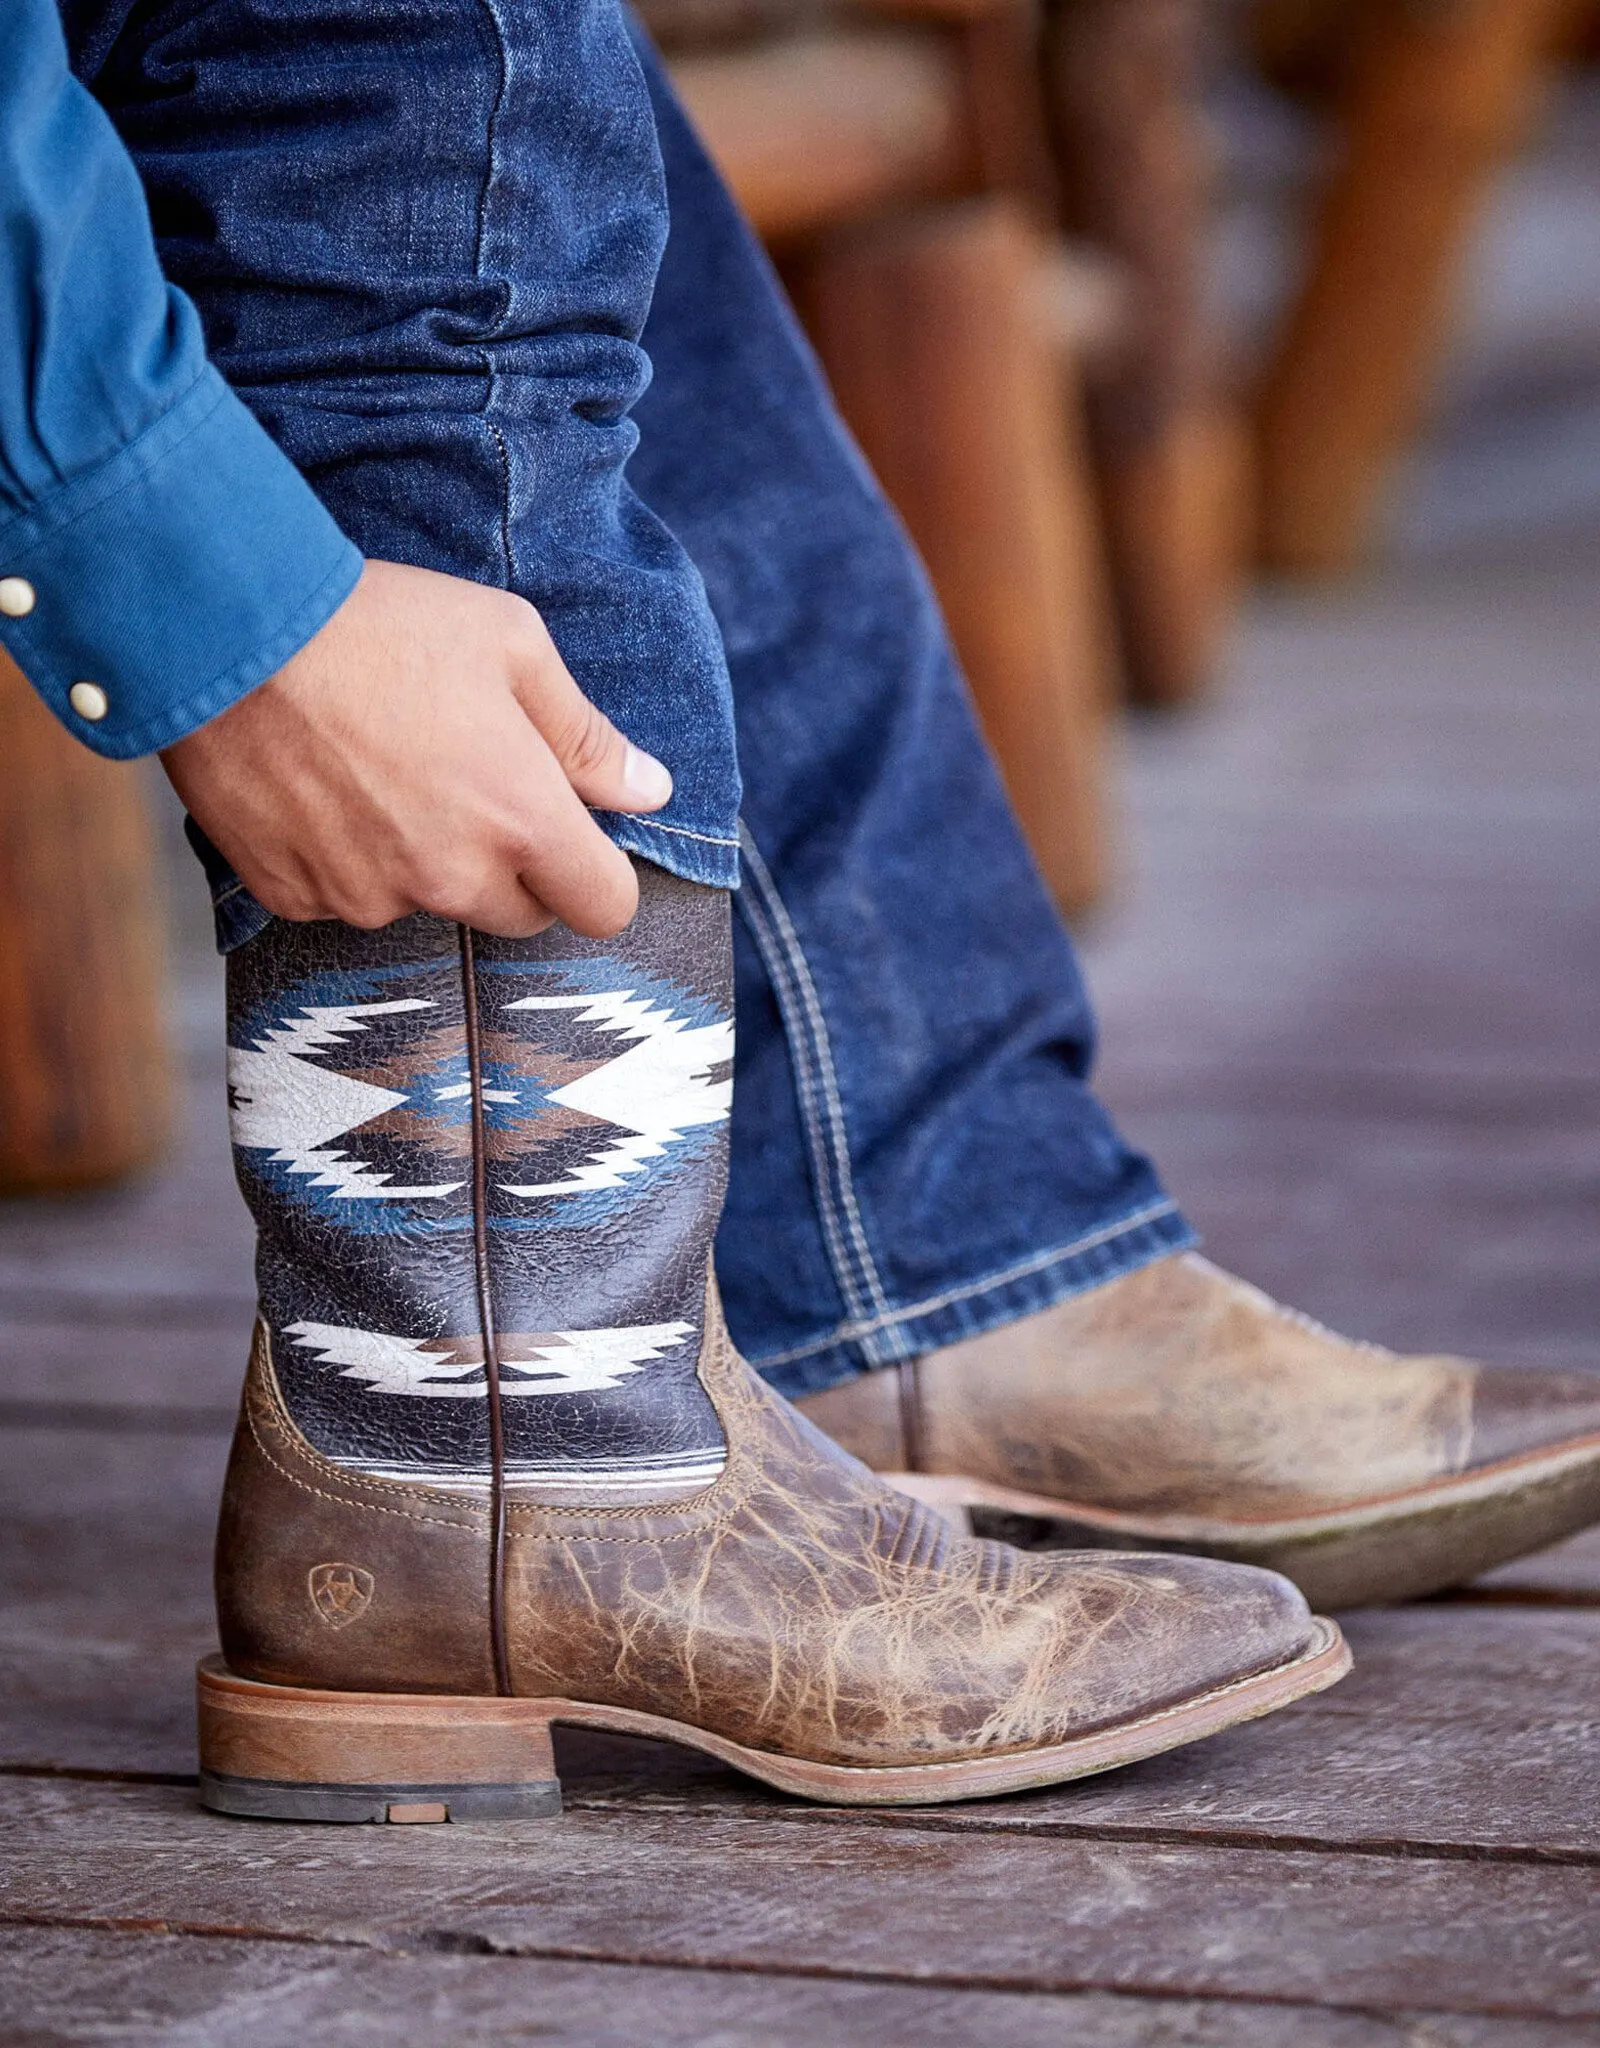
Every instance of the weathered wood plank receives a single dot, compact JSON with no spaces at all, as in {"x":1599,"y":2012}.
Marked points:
{"x":175,"y":1242}
{"x":187,"y":1368}
{"x":1518,"y":1187}
{"x":66,"y":1984}
{"x":119,"y":1520}
{"x":1568,"y":1573}
{"x":717,"y":1891}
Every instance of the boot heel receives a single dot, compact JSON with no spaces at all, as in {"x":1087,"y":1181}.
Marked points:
{"x":281,"y":1752}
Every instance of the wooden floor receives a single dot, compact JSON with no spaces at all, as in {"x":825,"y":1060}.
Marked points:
{"x":1351,"y":998}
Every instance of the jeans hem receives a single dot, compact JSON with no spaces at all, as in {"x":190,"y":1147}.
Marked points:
{"x":691,"y":856}
{"x":987,"y":1303}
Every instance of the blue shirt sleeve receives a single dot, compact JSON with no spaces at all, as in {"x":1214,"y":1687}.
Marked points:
{"x":155,"y":543}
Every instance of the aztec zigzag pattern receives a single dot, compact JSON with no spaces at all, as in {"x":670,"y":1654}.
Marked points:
{"x":561,"y":1362}
{"x":630,"y":1080}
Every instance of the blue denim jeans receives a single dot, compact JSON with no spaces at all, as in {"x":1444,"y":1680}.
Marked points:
{"x":471,"y":268}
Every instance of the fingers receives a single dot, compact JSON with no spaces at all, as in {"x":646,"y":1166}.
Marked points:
{"x":507,"y":908}
{"x":428,"y":751}
{"x":563,"y":858}
{"x":496,"y":900}
{"x":605,"y":769}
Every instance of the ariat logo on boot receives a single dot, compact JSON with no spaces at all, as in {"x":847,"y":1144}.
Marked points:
{"x":341,"y":1593}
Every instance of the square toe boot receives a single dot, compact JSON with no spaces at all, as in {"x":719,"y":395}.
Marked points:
{"x":499,"y":1467}
{"x":1179,"y":1408}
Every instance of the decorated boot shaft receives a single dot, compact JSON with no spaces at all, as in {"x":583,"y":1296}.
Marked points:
{"x":475,"y":1159}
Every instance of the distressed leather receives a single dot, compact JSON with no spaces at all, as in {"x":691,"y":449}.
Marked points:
{"x":796,"y":1604}
{"x":1178,"y":1389}
{"x":603,"y":1080}
{"x":423,"y":1120}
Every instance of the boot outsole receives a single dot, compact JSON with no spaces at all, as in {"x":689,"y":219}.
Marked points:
{"x":278,"y":1752}
{"x":1372,"y":1554}
{"x":284,"y":1799}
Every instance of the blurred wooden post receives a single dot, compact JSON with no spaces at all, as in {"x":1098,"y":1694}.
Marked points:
{"x":1436,"y":94}
{"x":1122,"y":82}
{"x":931,"y":331}
{"x":826,"y":126}
{"x":84,"y":1084}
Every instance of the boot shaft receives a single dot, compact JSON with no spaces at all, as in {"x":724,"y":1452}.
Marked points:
{"x":476,"y":1160}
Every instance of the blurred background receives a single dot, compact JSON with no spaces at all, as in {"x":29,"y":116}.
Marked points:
{"x":1236,"y":368}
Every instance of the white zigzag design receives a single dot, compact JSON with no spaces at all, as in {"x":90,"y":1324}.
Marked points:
{"x":292,"y":1107}
{"x":567,"y":1362}
{"x":656,"y":1090}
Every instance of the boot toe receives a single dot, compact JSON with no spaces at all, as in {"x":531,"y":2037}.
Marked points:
{"x":1146,"y":1631}
{"x":1518,"y":1410}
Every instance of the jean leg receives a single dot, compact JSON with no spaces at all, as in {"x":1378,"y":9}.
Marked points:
{"x":423,"y":236}
{"x":917,"y":1155}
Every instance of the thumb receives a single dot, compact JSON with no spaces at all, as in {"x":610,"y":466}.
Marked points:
{"x":605,"y":769}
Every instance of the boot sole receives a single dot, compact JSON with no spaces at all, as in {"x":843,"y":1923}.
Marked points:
{"x":1375,"y":1553}
{"x":279,"y":1752}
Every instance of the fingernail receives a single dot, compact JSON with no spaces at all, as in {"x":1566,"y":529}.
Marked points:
{"x":644,"y":778}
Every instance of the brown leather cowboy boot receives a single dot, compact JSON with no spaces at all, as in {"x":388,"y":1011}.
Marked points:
{"x":498,"y":1465}
{"x":1180,"y":1409}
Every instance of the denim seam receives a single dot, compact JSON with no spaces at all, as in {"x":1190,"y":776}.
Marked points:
{"x":856,"y":1278}
{"x":485,"y":354}
{"x":811,"y":1051}
{"x":683,"y":832}
{"x":853,"y":1332}
{"x":838,"y":1258}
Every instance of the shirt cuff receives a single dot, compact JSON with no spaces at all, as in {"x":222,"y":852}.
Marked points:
{"x":167,"y":582}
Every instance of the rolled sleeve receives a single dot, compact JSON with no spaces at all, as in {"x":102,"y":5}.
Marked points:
{"x":175,"y":576}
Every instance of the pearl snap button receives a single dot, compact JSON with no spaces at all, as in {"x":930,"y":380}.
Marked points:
{"x":89,"y":701}
{"x":17,"y":596}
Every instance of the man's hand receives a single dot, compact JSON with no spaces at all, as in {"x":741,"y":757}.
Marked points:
{"x":427,"y":750}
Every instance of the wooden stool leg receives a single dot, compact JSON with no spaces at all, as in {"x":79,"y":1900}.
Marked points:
{"x":929,"y":327}
{"x":84,"y":1082}
{"x":1438,"y":92}
{"x":1122,"y":78}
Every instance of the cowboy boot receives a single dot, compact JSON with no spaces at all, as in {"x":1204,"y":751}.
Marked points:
{"x":1177,"y":1408}
{"x":498,"y":1465}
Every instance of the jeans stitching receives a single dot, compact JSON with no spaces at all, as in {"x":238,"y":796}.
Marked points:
{"x":683,"y":832}
{"x":838,"y":1254}
{"x":490,"y":172}
{"x":813,"y":1054}
{"x":830,"y":1141}
{"x":822,"y":1051}
{"x":852,"y":1332}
